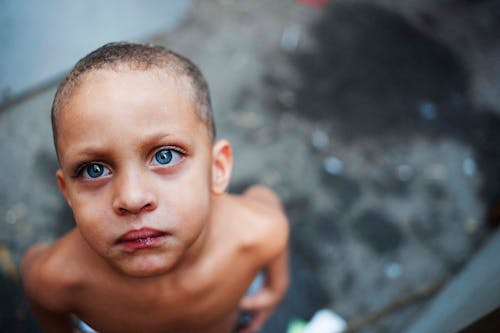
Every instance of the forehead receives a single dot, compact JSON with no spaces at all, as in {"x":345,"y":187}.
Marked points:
{"x":103,"y":83}
{"x":129,"y":90}
{"x":110,"y":99}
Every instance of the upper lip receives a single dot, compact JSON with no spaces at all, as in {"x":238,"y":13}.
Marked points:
{"x":142,"y":233}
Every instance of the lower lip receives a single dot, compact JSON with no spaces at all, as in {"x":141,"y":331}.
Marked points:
{"x":143,"y":243}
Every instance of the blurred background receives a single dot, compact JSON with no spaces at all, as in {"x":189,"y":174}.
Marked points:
{"x":376,"y":121}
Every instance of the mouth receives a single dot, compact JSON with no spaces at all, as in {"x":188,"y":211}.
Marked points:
{"x":141,"y":238}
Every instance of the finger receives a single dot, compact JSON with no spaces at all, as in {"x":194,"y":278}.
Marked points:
{"x":258,"y":321}
{"x":263,"y":299}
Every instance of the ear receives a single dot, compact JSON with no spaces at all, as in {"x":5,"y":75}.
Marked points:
{"x":222,"y":165}
{"x":62,"y":185}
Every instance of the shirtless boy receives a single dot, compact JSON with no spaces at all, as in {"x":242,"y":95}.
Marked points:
{"x":158,"y":246}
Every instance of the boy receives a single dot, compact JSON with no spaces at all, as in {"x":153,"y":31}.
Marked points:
{"x":158,"y":245}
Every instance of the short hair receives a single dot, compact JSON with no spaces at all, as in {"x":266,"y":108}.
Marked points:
{"x":135,"y":56}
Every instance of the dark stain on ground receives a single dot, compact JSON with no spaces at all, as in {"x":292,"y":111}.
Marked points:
{"x":304,"y":296}
{"x":373,"y":75}
{"x":325,"y":228}
{"x":427,"y":227}
{"x":347,"y":281}
{"x":436,"y":191}
{"x":15,"y":315}
{"x":300,"y":243}
{"x":391,"y":185}
{"x":346,"y":190}
{"x":484,"y":133}
{"x":371,"y":72}
{"x":297,"y":209}
{"x":378,"y":232}
{"x":320,"y":227}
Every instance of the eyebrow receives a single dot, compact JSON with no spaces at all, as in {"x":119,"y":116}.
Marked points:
{"x":87,"y":154}
{"x":92,"y":152}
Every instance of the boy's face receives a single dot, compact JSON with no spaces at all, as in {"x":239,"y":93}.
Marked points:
{"x":136,"y":168}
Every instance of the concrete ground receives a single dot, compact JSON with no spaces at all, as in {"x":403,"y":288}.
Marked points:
{"x":377,"y":123}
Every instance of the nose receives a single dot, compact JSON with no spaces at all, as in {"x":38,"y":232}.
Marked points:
{"x":132,"y":195}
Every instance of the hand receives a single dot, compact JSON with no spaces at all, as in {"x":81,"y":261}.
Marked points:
{"x":262,"y":303}
{"x":260,"y":306}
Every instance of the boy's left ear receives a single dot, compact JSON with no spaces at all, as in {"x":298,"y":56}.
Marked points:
{"x":222,"y":165}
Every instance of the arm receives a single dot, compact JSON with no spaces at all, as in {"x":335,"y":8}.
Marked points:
{"x":51,"y":321}
{"x":273,"y":240}
{"x":263,"y":302}
{"x":38,"y":290}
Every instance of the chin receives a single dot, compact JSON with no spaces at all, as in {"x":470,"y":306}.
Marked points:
{"x":139,"y":273}
{"x":145,"y":267}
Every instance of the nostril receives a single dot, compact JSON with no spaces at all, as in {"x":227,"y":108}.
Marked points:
{"x":133,"y":202}
{"x":147,"y":207}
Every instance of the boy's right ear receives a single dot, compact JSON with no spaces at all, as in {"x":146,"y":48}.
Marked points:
{"x":62,"y":185}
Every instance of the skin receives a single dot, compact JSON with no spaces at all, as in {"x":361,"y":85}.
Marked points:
{"x":210,"y":245}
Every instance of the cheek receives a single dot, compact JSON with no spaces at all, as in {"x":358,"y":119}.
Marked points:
{"x":193,"y":188}
{"x":191,"y":202}
{"x":194,"y":222}
{"x":91,"y":220}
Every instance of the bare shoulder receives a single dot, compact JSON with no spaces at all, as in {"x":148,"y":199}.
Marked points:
{"x":262,"y":222}
{"x":47,"y":277}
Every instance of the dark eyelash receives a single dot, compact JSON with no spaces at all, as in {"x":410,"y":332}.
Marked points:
{"x":79,"y":169}
{"x":174,"y":148}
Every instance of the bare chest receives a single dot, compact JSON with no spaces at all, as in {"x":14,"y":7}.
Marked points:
{"x":204,"y":300}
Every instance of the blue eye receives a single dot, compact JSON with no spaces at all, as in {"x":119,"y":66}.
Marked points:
{"x":94,"y":170}
{"x":166,"y":156}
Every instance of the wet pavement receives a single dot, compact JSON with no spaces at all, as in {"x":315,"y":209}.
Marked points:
{"x":367,"y":118}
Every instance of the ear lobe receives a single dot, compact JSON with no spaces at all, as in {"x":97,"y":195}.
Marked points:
{"x":62,"y":185}
{"x":222,"y":166}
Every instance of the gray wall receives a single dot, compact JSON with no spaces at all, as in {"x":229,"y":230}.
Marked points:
{"x":40,"y":40}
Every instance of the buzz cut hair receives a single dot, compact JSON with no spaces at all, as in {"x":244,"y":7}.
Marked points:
{"x":139,"y":57}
